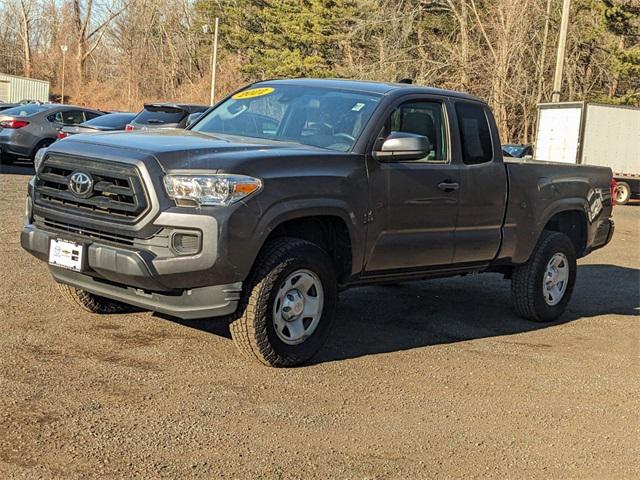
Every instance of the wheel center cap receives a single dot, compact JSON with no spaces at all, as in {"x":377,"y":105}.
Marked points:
{"x":293,"y":305}
{"x":552,"y":278}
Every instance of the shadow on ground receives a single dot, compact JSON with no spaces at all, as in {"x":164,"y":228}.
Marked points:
{"x":373,"y":320}
{"x":18,"y":167}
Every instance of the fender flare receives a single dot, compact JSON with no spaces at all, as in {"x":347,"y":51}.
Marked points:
{"x":287,"y":210}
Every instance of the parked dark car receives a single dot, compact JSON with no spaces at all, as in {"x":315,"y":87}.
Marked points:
{"x":291,"y":190}
{"x":514,"y":150}
{"x":27,"y":128}
{"x":164,"y":115}
{"x":105,"y":123}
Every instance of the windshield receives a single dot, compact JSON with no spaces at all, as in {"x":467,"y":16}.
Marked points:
{"x":515,"y":150}
{"x":25,"y":110}
{"x":325,"y":118}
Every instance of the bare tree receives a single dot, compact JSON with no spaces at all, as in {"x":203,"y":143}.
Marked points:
{"x":90,"y":27}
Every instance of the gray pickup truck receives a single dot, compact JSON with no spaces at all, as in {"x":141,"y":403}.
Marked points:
{"x":290,"y":190}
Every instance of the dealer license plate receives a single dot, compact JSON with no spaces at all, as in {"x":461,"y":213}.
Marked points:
{"x":66,"y":254}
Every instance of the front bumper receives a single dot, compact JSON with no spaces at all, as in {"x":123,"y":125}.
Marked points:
{"x":203,"y":302}
{"x":152,"y":278}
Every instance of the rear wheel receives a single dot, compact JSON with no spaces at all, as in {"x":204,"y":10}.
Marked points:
{"x":542,"y":287}
{"x":288,"y":304}
{"x":623,"y":193}
{"x":42,"y":144}
{"x":93,"y":303}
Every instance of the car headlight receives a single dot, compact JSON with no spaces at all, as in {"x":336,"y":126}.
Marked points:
{"x":219,"y":189}
{"x":37,"y":159}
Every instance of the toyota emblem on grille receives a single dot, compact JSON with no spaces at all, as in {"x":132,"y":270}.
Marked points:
{"x":81,"y":184}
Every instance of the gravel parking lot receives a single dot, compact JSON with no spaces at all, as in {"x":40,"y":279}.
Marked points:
{"x":434,"y":379}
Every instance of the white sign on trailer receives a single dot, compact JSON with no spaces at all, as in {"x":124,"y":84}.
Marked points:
{"x":558,"y":134}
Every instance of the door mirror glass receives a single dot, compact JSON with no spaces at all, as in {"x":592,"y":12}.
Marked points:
{"x":402,"y":146}
{"x":191,"y":119}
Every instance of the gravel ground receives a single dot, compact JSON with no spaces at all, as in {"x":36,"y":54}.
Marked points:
{"x":434,"y":379}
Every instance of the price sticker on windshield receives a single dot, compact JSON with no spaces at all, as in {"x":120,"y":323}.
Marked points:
{"x":252,"y":93}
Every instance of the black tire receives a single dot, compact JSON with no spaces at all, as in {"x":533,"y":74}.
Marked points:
{"x":527,"y":293}
{"x":624,"y":193}
{"x":93,"y":303}
{"x":42,"y":144}
{"x":252,"y":327}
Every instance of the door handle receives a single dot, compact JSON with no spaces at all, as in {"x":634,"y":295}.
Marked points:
{"x":448,"y":186}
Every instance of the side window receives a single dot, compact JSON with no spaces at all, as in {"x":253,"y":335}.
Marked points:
{"x":421,"y":118}
{"x":475,"y":134}
{"x":72,"y":117}
{"x":55,"y":118}
{"x":90,"y":115}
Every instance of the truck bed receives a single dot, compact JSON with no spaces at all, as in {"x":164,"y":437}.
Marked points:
{"x":538,"y":190}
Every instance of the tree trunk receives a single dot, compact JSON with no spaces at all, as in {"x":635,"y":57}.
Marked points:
{"x":25,"y":33}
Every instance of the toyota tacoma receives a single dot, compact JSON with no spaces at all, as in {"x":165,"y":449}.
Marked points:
{"x":288,"y":191}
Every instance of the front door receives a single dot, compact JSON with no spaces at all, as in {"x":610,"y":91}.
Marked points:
{"x":414,"y":203}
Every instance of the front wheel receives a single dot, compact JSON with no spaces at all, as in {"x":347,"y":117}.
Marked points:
{"x":288,"y":305}
{"x":93,"y":303}
{"x":542,"y":287}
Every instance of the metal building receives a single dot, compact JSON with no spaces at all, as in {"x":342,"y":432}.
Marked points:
{"x":15,"y":89}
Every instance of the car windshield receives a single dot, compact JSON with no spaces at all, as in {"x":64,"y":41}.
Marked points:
{"x":326,"y":118}
{"x":514,"y":150}
{"x":25,"y":110}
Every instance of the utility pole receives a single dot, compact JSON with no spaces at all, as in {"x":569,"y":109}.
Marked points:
{"x":562,"y":44}
{"x":64,"y":52}
{"x":214,"y":58}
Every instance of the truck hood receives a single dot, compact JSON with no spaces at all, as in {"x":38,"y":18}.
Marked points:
{"x":176,"y":149}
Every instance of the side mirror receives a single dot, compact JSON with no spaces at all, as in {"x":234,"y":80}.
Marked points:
{"x":402,"y":146}
{"x":192,"y":118}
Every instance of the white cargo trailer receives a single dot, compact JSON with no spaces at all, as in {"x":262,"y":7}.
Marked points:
{"x":593,"y":134}
{"x":16,"y":89}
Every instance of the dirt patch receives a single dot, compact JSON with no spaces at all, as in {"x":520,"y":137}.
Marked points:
{"x":452,"y":385}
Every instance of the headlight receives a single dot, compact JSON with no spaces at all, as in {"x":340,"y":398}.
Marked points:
{"x":37,"y":159}
{"x":219,"y":189}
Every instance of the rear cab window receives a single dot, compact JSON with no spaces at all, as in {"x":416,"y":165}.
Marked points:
{"x":475,"y":133}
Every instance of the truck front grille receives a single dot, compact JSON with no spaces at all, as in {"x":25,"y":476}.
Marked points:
{"x":117,"y":191}
{"x":84,"y":232}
